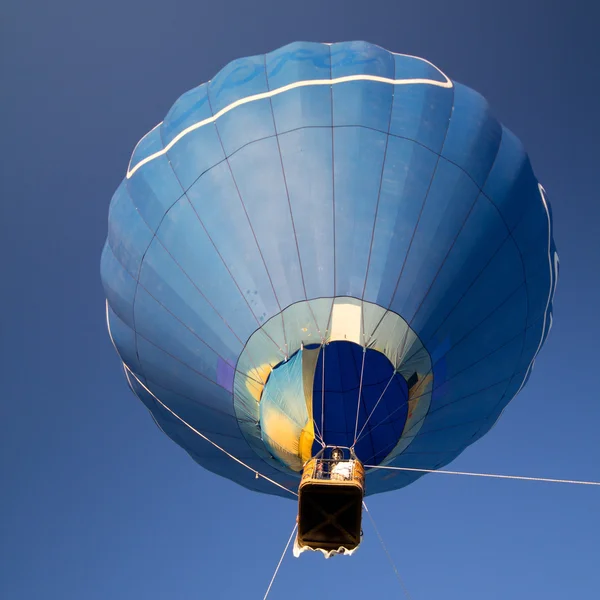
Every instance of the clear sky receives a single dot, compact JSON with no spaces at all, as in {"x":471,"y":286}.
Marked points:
{"x":95,"y":501}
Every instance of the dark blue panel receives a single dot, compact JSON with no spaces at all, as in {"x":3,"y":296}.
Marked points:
{"x":382,"y":393}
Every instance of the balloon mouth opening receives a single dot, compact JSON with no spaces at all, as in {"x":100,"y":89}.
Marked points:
{"x":337,"y":394}
{"x":332,"y":371}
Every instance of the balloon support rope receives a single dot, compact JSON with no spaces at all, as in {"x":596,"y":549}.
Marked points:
{"x":389,"y":556}
{"x":492,"y":475}
{"x":280,"y":561}
{"x":257,"y":474}
{"x":360,"y":386}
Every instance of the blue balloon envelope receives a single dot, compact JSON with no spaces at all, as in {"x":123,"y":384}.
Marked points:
{"x":328,"y":243}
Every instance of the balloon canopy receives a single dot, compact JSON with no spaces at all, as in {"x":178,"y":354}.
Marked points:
{"x":329,"y":243}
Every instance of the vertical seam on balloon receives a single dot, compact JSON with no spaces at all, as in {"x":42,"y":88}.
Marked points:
{"x":287,"y":193}
{"x":387,"y":140}
{"x":247,"y":218}
{"x":332,"y":190}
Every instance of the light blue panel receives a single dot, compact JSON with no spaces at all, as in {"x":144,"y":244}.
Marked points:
{"x":119,"y":285}
{"x":245,"y":124}
{"x":421,"y":111}
{"x":358,"y":163}
{"x":190,"y":109}
{"x":303,"y":107}
{"x":283,"y":399}
{"x":307,"y":162}
{"x":154,"y":188}
{"x":450,"y":199}
{"x":473,"y":136}
{"x":124,"y":338}
{"x":407,"y":173}
{"x":240,"y":80}
{"x":299,"y":61}
{"x":147,"y":146}
{"x":174,"y":290}
{"x":199,"y":149}
{"x":218,"y":207}
{"x":356,"y":58}
{"x":285,"y":391}
{"x":175,"y":338}
{"x":128,"y":234}
{"x":171,"y":373}
{"x":365,"y":103}
{"x":258,"y":173}
{"x":192,"y":250}
{"x":482,"y":236}
{"x":306,"y":106}
{"x":195,"y":154}
{"x":413,"y":67}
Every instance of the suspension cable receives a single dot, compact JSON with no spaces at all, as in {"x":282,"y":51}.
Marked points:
{"x":258,"y":474}
{"x":280,"y":561}
{"x":357,"y":437}
{"x":389,"y":556}
{"x":493,"y":475}
{"x":323,"y":395}
{"x":362,"y":371}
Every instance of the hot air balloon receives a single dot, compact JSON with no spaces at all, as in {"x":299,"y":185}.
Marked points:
{"x":330,"y":245}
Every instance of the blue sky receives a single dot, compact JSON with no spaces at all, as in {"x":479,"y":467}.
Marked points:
{"x":96,"y":503}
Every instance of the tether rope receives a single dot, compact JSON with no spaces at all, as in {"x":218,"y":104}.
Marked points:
{"x":280,"y":561}
{"x":128,"y":372}
{"x":492,"y":475}
{"x":323,"y":396}
{"x":389,"y":556}
{"x":362,"y":371}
